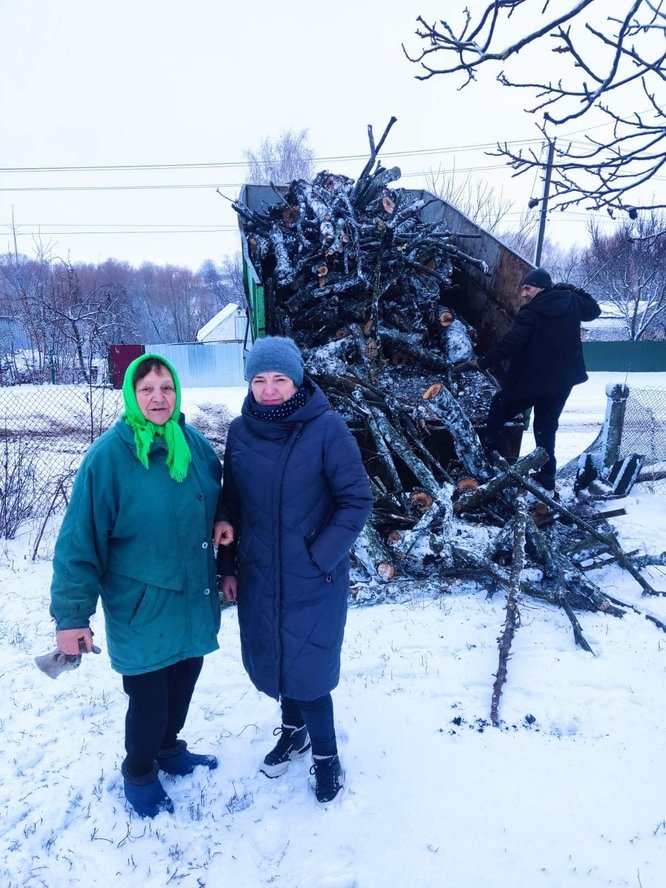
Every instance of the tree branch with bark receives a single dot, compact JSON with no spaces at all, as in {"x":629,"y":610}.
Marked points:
{"x":612,"y":64}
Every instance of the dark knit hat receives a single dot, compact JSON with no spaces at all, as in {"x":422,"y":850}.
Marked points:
{"x":275,"y":354}
{"x":538,"y":277}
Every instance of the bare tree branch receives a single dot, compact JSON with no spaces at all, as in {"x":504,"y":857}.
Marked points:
{"x":609,"y":62}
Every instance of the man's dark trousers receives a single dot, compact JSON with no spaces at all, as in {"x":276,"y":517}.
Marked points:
{"x":547,"y":410}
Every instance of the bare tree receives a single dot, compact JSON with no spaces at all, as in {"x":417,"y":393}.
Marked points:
{"x":628,"y":270}
{"x":58,"y":318}
{"x":224,"y":281}
{"x":155,"y":326}
{"x":280,"y":160}
{"x":176,"y":302}
{"x":23,"y":283}
{"x":608,"y":65}
{"x":128,"y":318}
{"x":83,"y":319}
{"x":490,"y":209}
{"x":19,"y":494}
{"x":178,"y":293}
{"x":232,"y":269}
{"x":565,"y":264}
{"x":475,"y":198}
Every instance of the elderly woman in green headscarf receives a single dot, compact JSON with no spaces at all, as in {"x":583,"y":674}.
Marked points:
{"x":139,"y":531}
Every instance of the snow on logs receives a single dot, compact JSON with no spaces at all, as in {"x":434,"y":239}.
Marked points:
{"x":356,"y":276}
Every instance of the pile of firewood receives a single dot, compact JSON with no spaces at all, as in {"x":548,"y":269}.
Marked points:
{"x":352,"y":272}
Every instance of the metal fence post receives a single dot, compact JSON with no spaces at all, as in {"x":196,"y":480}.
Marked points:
{"x":613,"y":424}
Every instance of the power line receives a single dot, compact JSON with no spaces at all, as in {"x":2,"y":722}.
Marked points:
{"x":231,"y":164}
{"x":418,"y":152}
{"x":41,"y":233}
{"x":212,"y":186}
{"x":153,"y":225}
{"x":123,"y":187}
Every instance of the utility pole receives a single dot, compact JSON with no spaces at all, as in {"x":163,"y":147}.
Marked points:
{"x":544,"y":204}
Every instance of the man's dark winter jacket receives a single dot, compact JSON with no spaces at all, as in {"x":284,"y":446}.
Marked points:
{"x":298,"y":496}
{"x":543,"y":345}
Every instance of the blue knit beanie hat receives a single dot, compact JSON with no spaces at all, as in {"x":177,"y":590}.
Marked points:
{"x":275,"y":354}
{"x":538,"y":277}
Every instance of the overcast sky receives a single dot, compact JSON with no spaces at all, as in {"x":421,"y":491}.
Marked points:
{"x":160,"y":82}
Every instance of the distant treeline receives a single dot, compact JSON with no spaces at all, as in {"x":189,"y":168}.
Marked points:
{"x":58,"y":318}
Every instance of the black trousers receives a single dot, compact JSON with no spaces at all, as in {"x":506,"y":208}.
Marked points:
{"x":317,"y":715}
{"x":547,"y":410}
{"x":157,"y":709}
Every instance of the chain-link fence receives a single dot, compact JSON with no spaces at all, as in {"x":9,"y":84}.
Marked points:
{"x":635,"y":424}
{"x":644,"y":432}
{"x":44,"y":432}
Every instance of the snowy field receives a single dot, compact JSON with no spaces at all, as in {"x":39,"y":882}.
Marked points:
{"x":570,"y":791}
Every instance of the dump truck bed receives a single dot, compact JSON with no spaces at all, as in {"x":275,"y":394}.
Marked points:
{"x":486,"y":294}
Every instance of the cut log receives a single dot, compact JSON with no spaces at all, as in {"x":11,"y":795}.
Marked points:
{"x":467,"y":445}
{"x":421,"y":500}
{"x":508,"y":477}
{"x":432,"y":391}
{"x":403,"y":542}
{"x":579,"y":638}
{"x":467,"y":484}
{"x":401,"y":448}
{"x":372,"y":554}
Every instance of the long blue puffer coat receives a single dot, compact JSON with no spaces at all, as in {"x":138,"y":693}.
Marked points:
{"x":298,"y":495}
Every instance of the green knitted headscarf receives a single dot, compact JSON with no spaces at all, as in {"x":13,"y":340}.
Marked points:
{"x":178,"y":451}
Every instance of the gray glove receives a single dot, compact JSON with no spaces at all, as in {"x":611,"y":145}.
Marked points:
{"x":463,"y":366}
{"x":55,"y":662}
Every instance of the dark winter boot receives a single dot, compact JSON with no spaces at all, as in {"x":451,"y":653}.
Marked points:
{"x":328,"y":775}
{"x":146,"y":794}
{"x":293,"y":743}
{"x":179,"y":761}
{"x":544,"y":480}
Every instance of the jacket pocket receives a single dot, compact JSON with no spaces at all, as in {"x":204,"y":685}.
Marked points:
{"x":152,"y":605}
{"x":327,"y":576}
{"x":135,"y":604}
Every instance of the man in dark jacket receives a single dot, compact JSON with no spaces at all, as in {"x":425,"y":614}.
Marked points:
{"x":545,"y":356}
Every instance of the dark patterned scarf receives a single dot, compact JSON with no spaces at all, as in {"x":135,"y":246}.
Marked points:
{"x":278,"y":412}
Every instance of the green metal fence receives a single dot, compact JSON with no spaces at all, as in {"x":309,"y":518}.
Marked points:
{"x":634,"y":357}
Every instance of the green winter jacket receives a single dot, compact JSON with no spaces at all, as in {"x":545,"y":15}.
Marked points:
{"x":143,"y":542}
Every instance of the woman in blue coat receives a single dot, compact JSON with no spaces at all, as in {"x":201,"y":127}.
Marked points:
{"x":138,"y":533}
{"x":298,"y":496}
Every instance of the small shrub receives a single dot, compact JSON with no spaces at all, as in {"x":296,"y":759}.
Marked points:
{"x":18,"y":491}
{"x":212,"y":420}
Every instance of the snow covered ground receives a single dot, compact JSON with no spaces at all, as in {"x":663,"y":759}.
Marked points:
{"x":570,"y":791}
